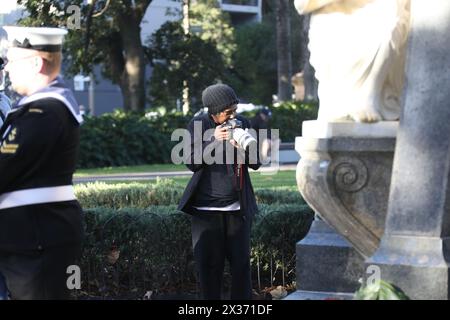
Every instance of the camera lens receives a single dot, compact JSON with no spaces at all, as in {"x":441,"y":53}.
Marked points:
{"x":243,"y":138}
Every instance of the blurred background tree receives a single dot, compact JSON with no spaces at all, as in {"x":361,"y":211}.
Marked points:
{"x":197,"y":59}
{"x":212,"y":24}
{"x":254,"y":70}
{"x":251,"y":57}
{"x":111,"y":40}
{"x":177,"y":57}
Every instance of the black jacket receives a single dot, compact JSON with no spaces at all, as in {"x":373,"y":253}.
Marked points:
{"x":246,"y":196}
{"x":39,"y":149}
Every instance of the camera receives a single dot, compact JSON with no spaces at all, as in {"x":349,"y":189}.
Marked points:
{"x":236,"y":132}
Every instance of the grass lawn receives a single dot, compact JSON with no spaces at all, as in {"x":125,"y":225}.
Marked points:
{"x":280,"y":179}
{"x":130,"y":169}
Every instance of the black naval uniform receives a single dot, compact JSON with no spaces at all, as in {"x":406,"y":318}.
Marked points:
{"x":41,"y":226}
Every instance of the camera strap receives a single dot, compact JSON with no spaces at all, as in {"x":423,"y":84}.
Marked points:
{"x":239,"y":176}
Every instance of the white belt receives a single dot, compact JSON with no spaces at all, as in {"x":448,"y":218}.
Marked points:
{"x":232,"y":207}
{"x":36,"y":196}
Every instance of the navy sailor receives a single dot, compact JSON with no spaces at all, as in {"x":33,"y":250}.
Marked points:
{"x":41,"y":222}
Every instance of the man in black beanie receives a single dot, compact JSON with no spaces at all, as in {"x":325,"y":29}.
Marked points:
{"x":220,"y":199}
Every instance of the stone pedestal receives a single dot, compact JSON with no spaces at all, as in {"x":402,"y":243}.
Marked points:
{"x":344,"y":175}
{"x":414,"y":253}
{"x":328,"y":267}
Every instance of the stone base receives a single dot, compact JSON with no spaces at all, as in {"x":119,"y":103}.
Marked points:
{"x":326,"y":130}
{"x":417,"y":265}
{"x":346,"y":179}
{"x":328,"y":267}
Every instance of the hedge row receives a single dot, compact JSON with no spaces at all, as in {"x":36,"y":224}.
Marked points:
{"x":132,"y":252}
{"x":119,"y":138}
{"x":288,"y":118}
{"x":163,"y":192}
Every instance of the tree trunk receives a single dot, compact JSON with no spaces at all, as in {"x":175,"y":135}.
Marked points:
{"x":132,"y":79}
{"x":311,"y":84}
{"x":186,"y":27}
{"x":284,"y":50}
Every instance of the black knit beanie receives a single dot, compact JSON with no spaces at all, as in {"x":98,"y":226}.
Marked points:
{"x":219,"y":97}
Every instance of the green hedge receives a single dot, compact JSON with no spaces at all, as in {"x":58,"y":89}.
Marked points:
{"x":380,"y":290}
{"x":138,"y":242}
{"x":130,"y":252}
{"x":163,"y":192}
{"x":120,"y":139}
{"x":288,"y":118}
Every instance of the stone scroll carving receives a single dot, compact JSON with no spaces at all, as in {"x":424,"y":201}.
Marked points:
{"x":349,"y":174}
{"x":358,"y":50}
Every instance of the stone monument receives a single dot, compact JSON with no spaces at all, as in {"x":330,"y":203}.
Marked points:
{"x":358,"y":51}
{"x":346,"y":168}
{"x":344,"y":174}
{"x":414,"y":253}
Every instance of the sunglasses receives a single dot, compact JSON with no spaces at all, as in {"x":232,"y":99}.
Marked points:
{"x":230,"y":112}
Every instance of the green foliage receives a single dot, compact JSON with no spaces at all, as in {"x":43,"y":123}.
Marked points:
{"x":131,"y":251}
{"x":120,"y":138}
{"x":104,"y":29}
{"x":200,"y":58}
{"x":254,"y":72}
{"x":215,"y":27}
{"x":139,"y":223}
{"x":121,"y":195}
{"x":297,"y":32}
{"x":279,"y":195}
{"x":380,"y":290}
{"x":164,"y":192}
{"x":276,"y":230}
{"x":181,"y":58}
{"x":53,"y":14}
{"x":289,"y":116}
{"x":111,"y":40}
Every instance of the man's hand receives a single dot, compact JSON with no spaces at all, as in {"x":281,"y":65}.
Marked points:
{"x":221,"y":133}
{"x":234,"y":143}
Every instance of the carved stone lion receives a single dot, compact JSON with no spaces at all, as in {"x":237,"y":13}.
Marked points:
{"x":358,"y":50}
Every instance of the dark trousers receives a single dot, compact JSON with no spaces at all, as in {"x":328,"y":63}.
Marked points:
{"x":218,"y":236}
{"x":39,"y":275}
{"x":3,"y":289}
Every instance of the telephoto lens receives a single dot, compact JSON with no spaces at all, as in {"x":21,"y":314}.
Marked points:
{"x":243,"y":138}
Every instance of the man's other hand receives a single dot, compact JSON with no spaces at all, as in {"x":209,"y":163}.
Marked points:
{"x":221,"y":133}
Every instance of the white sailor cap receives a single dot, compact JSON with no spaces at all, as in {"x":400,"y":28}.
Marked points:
{"x":36,"y":38}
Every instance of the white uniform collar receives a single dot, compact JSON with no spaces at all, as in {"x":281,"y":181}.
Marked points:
{"x":57,"y":90}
